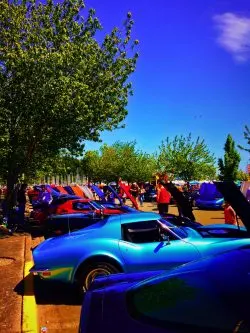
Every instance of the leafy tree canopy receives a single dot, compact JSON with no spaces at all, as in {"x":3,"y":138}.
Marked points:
{"x":187,"y":159}
{"x":58,"y":85}
{"x":241,"y":175}
{"x":119,"y":160}
{"x":230,"y":164}
{"x":61,"y":165}
{"x":247,"y":137}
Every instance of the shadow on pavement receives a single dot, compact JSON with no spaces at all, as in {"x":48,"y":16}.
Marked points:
{"x":19,"y":288}
{"x":36,"y":231}
{"x":46,"y":292}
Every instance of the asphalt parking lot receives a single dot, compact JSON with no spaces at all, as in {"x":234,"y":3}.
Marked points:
{"x":39,"y":307}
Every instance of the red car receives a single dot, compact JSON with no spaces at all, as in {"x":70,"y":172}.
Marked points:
{"x":83,"y":206}
{"x":67,"y":205}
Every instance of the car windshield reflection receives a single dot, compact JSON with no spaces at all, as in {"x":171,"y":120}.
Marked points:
{"x":180,"y":232}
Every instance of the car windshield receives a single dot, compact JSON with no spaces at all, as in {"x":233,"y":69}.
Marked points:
{"x":96,"y":205}
{"x":119,"y":207}
{"x":110,"y":206}
{"x":180,"y":232}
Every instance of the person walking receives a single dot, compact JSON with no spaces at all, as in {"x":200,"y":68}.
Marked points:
{"x":163,"y":198}
{"x":141,"y":195}
{"x":229,"y":214}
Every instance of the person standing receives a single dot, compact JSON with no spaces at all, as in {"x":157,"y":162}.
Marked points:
{"x":121,"y":192}
{"x":163,"y":198}
{"x":134,"y":190}
{"x":141,"y":194}
{"x":44,"y":197}
{"x":21,"y":202}
{"x":229,"y":214}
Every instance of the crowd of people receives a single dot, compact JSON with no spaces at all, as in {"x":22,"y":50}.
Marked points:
{"x":163,"y":199}
{"x":137,"y":190}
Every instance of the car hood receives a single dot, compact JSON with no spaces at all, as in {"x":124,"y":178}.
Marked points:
{"x":221,"y":226}
{"x":179,"y":197}
{"x":232,"y":194}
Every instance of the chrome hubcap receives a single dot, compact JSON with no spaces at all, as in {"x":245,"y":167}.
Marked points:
{"x":95,"y":273}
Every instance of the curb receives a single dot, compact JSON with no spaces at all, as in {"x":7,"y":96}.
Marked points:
{"x":29,"y":308}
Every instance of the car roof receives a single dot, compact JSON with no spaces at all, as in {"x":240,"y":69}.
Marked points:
{"x":140,"y":217}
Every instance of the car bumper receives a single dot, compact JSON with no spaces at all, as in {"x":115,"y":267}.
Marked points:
{"x":42,"y":272}
{"x":55,"y":274}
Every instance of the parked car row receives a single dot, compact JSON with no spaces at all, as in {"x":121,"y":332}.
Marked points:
{"x":152,"y":291}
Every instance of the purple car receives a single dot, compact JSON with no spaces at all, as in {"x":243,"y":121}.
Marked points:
{"x":211,"y":295}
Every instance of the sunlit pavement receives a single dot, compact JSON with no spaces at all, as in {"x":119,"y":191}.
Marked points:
{"x":29,"y":305}
{"x":11,"y":276}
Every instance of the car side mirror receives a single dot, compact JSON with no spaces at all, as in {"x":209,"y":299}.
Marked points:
{"x":166,"y":239}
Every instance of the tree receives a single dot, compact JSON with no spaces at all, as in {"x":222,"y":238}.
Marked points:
{"x":91,"y":165}
{"x":60,"y":165}
{"x":241,"y":175}
{"x":247,"y":137}
{"x":186,"y":159}
{"x":58,"y":85}
{"x":119,"y":160}
{"x":230,"y":165}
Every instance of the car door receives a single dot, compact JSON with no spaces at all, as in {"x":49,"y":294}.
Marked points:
{"x":149,"y":252}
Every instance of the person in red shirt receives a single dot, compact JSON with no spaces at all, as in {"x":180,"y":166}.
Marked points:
{"x":229,"y":214}
{"x":163,"y":198}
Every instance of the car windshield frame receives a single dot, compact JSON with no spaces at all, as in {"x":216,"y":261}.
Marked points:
{"x":177,"y":231}
{"x":96,"y":205}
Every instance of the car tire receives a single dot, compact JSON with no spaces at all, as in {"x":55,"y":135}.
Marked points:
{"x":90,"y":272}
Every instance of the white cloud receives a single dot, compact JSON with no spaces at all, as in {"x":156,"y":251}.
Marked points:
{"x":234,"y":35}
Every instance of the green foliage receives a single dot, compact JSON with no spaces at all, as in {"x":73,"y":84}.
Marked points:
{"x":119,"y":160}
{"x":58,"y":85}
{"x":241,"y":175}
{"x":186,"y":159}
{"x":247,"y":137}
{"x":91,"y":165}
{"x":229,"y":166}
{"x":62,"y":164}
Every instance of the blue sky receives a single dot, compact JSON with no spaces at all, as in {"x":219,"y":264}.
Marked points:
{"x":193,"y":73}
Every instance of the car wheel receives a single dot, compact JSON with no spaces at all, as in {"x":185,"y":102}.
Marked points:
{"x":92,"y":271}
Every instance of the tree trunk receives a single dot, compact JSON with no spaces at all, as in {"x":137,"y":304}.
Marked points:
{"x":12,"y":179}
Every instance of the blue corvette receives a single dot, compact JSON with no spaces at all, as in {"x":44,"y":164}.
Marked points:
{"x":124,"y":243}
{"x":209,"y":197}
{"x":209,"y":296}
